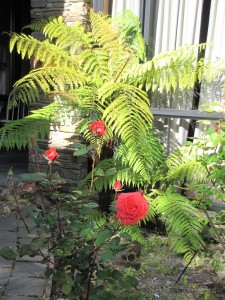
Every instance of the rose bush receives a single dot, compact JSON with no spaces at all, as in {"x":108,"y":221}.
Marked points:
{"x":131,"y":207}
{"x":98,"y":127}
{"x":51,"y":154}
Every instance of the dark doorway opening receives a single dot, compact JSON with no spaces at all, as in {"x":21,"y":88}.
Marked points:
{"x":14,"y":15}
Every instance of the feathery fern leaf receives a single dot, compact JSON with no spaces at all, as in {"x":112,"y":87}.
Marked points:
{"x":168,"y":70}
{"x":183,"y":165}
{"x":72,"y":37}
{"x":45,"y":79}
{"x":104,"y":34}
{"x":18,"y":133}
{"x":130,"y":31}
{"x":183,"y":222}
{"x":135,"y":233}
{"x":38,"y":25}
{"x":95,"y":63}
{"x":129,"y":117}
{"x":151,"y":149}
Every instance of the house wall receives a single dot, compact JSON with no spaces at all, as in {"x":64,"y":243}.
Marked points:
{"x":69,"y":167}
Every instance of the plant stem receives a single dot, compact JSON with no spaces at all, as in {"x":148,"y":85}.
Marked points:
{"x":184,"y":270}
{"x":28,"y":229}
{"x":215,"y":229}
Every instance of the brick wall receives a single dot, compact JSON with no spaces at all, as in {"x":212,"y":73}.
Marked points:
{"x":72,"y":10}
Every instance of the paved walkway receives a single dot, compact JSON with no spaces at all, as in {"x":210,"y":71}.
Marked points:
{"x":22,"y":278}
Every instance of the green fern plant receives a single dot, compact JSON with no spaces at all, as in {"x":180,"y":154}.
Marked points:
{"x":183,"y":222}
{"x":100,"y":70}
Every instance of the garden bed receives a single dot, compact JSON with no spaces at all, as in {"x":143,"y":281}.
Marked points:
{"x":159,"y":268}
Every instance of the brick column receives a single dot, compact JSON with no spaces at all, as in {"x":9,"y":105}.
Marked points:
{"x":69,"y":167}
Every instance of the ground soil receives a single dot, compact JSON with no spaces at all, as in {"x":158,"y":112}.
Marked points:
{"x":160,"y":269}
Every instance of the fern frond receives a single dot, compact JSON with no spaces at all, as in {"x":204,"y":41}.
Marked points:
{"x":18,"y":133}
{"x":106,"y":173}
{"x":38,"y":25}
{"x":45,"y":79}
{"x":97,"y":217}
{"x":150,"y":149}
{"x":95,"y":63}
{"x":104,"y":34}
{"x":130,"y":31}
{"x":121,"y":57}
{"x":183,"y":165}
{"x":43,"y":51}
{"x":183,"y":222}
{"x":67,"y":37}
{"x":129,"y":117}
{"x":135,"y":233}
{"x":170,"y":70}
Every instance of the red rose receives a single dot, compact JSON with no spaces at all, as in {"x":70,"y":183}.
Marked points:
{"x":51,"y":154}
{"x":117,"y":185}
{"x":98,"y":127}
{"x":131,"y":208}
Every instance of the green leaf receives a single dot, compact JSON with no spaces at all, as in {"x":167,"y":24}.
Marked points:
{"x":33,"y":176}
{"x":129,"y":282}
{"x":117,"y":275}
{"x":81,"y":151}
{"x":111,"y":171}
{"x":102,"y":237}
{"x":102,"y":274}
{"x":66,"y":289}
{"x":115,"y":241}
{"x":77,"y":145}
{"x":24,"y":249}
{"x":8,"y":253}
{"x":107,"y":255}
{"x":99,"y":172}
{"x":92,"y":205}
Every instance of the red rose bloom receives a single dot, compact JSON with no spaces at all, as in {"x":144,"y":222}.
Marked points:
{"x":117,"y":185}
{"x":51,"y":154}
{"x":131,"y":208}
{"x":98,"y":127}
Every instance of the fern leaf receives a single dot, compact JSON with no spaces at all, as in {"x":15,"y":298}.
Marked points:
{"x":135,"y":233}
{"x":43,"y":51}
{"x":106,"y":173}
{"x":45,"y":79}
{"x":183,"y":223}
{"x":183,"y":165}
{"x":130,"y":32}
{"x":95,"y":64}
{"x":17,"y":134}
{"x":104,"y":34}
{"x":170,"y":70}
{"x":129,"y":117}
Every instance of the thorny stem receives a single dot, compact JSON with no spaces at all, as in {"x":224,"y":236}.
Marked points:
{"x":91,"y":274}
{"x":28,"y":230}
{"x":92,"y":171}
{"x":94,"y":256}
{"x":61,"y":230}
